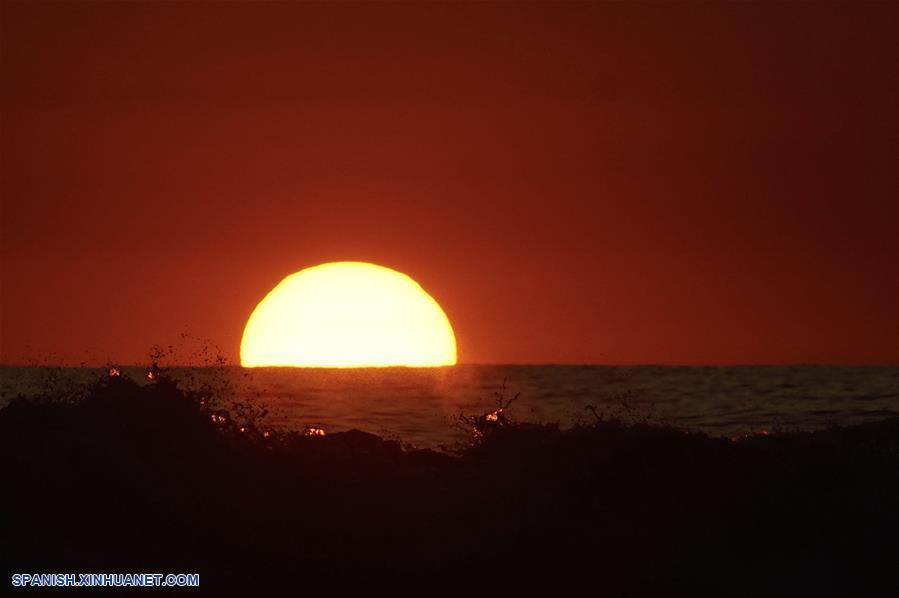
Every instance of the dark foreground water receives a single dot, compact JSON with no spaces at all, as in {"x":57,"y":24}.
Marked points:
{"x":153,"y":478}
{"x":421,"y":406}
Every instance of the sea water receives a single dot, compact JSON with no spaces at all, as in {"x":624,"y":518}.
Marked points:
{"x":422,"y":406}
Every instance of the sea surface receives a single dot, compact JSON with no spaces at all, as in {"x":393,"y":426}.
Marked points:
{"x":421,"y":407}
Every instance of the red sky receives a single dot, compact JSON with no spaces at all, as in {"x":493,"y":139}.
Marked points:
{"x":575,"y":183}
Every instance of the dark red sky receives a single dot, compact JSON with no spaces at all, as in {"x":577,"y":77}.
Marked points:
{"x":600,"y":183}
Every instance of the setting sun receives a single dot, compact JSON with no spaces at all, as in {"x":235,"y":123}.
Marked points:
{"x":348,"y":314}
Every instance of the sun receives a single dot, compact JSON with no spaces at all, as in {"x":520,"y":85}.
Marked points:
{"x":348,"y":314}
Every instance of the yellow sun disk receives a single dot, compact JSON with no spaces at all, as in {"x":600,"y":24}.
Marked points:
{"x":348,"y":314}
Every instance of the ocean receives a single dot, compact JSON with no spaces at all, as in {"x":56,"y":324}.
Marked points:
{"x":421,"y":407}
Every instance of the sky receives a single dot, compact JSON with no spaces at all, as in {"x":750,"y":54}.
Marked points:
{"x":622,"y":183}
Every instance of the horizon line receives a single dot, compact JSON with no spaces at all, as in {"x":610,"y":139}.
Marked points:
{"x":468,"y":363}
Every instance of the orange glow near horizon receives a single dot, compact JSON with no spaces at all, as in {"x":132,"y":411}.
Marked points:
{"x":348,"y":314}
